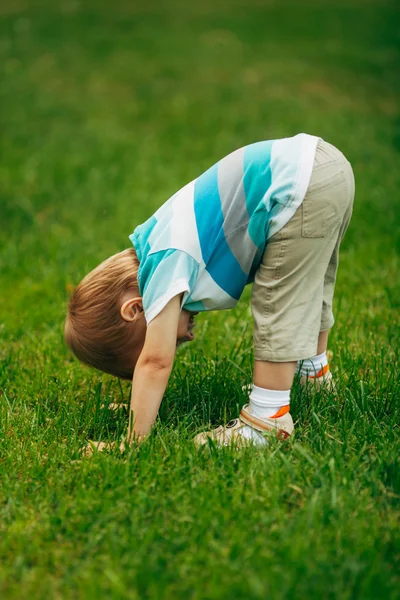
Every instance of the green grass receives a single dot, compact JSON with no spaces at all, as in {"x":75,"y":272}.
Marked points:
{"x":106,"y":109}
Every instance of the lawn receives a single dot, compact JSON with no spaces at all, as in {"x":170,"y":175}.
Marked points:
{"x":106,"y":109}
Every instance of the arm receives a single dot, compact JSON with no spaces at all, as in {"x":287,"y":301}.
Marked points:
{"x":153,"y":369}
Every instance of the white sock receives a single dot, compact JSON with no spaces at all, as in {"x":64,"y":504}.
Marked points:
{"x":266,"y":403}
{"x":311,"y":366}
{"x":263,"y":403}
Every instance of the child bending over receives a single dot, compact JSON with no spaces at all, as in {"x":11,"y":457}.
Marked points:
{"x":272,"y":214}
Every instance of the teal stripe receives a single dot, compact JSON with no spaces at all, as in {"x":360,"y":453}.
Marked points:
{"x":140,"y":237}
{"x":159,"y":271}
{"x":194,"y":306}
{"x":221,"y":264}
{"x":257,"y":180}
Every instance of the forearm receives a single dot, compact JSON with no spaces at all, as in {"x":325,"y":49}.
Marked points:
{"x":148,"y":387}
{"x":153,"y":369}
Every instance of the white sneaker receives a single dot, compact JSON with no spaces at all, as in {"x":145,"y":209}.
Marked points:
{"x":231,"y":432}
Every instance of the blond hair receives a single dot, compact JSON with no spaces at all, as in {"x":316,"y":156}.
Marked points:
{"x":94,"y":329}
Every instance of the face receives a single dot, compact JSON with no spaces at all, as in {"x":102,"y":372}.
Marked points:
{"x":185,"y":327}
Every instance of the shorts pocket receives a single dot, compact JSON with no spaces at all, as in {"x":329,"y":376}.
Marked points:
{"x":322,"y":206}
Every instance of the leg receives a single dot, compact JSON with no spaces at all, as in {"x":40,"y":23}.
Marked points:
{"x":293,"y":290}
{"x":288,"y":291}
{"x":322,"y":341}
{"x":274,"y":376}
{"x":327,"y":319}
{"x":316,"y":368}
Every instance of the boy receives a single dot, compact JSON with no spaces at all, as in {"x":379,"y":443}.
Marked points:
{"x":273,"y":213}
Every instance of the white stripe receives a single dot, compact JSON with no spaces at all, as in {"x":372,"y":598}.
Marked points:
{"x":292,"y":161}
{"x":306,"y":163}
{"x":182,"y":225}
{"x":156,"y":307}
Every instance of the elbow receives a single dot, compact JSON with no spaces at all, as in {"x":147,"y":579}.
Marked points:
{"x":157,"y":363}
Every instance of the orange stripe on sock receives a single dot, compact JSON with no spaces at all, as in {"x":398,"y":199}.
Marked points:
{"x":282,"y":411}
{"x":320,"y":373}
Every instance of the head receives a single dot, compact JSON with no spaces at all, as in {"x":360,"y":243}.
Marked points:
{"x":105,"y":326}
{"x":95,"y":330}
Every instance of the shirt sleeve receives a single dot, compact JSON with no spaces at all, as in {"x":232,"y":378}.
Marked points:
{"x":162,"y":276}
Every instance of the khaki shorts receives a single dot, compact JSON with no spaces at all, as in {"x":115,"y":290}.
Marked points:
{"x":293,"y":287}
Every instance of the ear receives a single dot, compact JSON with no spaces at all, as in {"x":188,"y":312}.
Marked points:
{"x":132,"y":309}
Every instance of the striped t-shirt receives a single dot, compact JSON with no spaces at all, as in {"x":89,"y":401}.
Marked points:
{"x":207,"y":241}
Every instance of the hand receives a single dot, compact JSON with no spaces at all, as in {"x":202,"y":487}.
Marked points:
{"x":115,"y":406}
{"x":92,"y":447}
